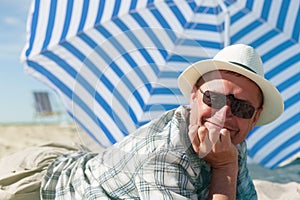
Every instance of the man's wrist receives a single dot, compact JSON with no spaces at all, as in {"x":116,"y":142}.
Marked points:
{"x":224,"y":181}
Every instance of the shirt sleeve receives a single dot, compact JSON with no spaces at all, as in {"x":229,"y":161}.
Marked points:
{"x":68,"y":178}
{"x":165,"y":176}
{"x":245,"y":186}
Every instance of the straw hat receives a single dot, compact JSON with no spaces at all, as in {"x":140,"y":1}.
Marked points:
{"x":244,"y":60}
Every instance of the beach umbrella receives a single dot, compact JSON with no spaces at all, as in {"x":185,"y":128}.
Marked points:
{"x":115,"y":63}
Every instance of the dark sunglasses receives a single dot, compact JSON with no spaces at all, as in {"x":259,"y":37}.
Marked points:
{"x":238,"y":107}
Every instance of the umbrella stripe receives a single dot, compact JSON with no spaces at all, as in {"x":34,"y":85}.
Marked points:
{"x":210,"y":10}
{"x":249,"y":4}
{"x":69,"y":93}
{"x":262,"y":130}
{"x":266,"y":37}
{"x":127,"y":83}
{"x":116,"y":69}
{"x":90,"y":89}
{"x":65,"y":66}
{"x":116,"y":8}
{"x":67,"y":20}
{"x":284,"y":158}
{"x":78,"y":77}
{"x":276,"y":131}
{"x":284,"y":145}
{"x":166,"y":91}
{"x":247,"y":29}
{"x":33,"y":29}
{"x":292,"y":100}
{"x":192,"y":5}
{"x":123,"y":52}
{"x":237,"y":16}
{"x":280,"y":139}
{"x":266,"y":10}
{"x":150,"y":2}
{"x":285,"y":45}
{"x":107,"y":83}
{"x":259,"y":132}
{"x":100,"y":12}
{"x":133,"y":4}
{"x":178,"y":14}
{"x":282,"y":14}
{"x":207,"y":27}
{"x":165,"y":106}
{"x":296,"y":30}
{"x":189,"y":59}
{"x":151,"y":34}
{"x":202,"y":43}
{"x":291,"y":81}
{"x":137,"y":43}
{"x":288,"y":62}
{"x":284,"y":154}
{"x":50,"y":24}
{"x":169,"y":74}
{"x":90,"y":133}
{"x":158,"y":16}
{"x":84,"y":12}
{"x":163,"y":23}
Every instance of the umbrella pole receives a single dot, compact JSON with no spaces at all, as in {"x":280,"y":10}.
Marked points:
{"x":226,"y":23}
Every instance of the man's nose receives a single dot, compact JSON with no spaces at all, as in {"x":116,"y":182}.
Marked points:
{"x":224,"y":112}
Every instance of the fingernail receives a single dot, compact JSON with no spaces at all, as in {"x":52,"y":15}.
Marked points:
{"x":223,"y":130}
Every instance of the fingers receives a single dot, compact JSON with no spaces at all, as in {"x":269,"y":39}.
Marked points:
{"x":225,"y":136}
{"x":224,"y":141}
{"x":213,"y":145}
{"x":212,"y":140}
{"x":209,"y":134}
{"x":206,"y":144}
{"x":202,"y":133}
{"x":207,"y":140}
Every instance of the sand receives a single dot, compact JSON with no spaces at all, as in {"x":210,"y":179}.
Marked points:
{"x":17,"y":137}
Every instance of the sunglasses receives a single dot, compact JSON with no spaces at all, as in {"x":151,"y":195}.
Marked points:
{"x":238,"y":107}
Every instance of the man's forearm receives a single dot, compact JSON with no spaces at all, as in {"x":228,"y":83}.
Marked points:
{"x":223,"y":182}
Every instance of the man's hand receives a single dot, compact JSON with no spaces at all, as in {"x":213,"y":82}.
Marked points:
{"x":217,"y":150}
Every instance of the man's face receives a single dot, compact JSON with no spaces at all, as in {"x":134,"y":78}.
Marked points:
{"x":226,"y":83}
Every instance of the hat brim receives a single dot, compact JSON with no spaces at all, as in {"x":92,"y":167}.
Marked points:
{"x":273,"y":103}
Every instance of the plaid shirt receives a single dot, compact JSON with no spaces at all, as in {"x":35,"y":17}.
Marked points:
{"x":155,"y":162}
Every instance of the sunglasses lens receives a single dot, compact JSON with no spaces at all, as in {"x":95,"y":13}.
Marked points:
{"x":242,"y":109}
{"x":238,"y":108}
{"x":214,"y":100}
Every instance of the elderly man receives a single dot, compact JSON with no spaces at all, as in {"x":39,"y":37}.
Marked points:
{"x":192,"y":152}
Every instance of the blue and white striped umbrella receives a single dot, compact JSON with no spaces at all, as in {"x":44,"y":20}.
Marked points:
{"x":115,"y":63}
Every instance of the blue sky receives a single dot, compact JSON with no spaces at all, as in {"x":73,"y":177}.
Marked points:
{"x":16,"y":102}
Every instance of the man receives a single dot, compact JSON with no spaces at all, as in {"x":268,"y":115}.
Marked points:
{"x":192,"y":152}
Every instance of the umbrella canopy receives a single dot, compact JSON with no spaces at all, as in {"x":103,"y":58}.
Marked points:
{"x":115,"y":63}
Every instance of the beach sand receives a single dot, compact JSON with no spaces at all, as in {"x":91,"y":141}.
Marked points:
{"x":16,"y":137}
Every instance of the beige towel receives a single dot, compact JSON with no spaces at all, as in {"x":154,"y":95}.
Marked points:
{"x":21,"y":173}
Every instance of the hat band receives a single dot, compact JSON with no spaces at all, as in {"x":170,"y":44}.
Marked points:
{"x":244,"y":66}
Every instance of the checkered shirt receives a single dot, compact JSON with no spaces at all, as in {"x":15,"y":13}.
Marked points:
{"x":155,"y":162}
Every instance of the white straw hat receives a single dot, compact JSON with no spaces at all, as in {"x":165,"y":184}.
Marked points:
{"x":243,"y":60}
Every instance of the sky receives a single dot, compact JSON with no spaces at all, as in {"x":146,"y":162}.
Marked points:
{"x":16,"y":100}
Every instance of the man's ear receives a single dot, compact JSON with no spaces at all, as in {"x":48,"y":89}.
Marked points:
{"x":194,"y":93}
